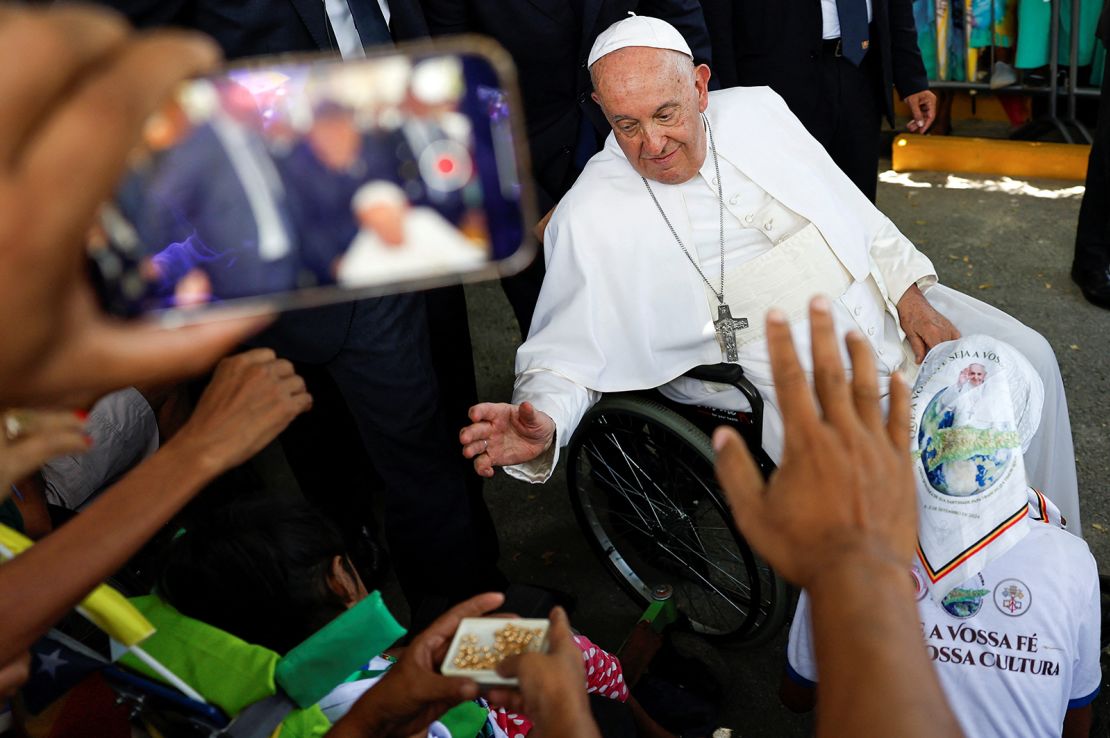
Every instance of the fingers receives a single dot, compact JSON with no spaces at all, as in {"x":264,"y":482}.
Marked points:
{"x":116,"y":99}
{"x":445,"y":625}
{"x":59,"y":47}
{"x":477,"y":432}
{"x":483,"y":466}
{"x":929,"y":111}
{"x":915,"y":113}
{"x":486,"y":411}
{"x":527,"y":415}
{"x":282,"y":369}
{"x":448,"y":690}
{"x":791,"y":387}
{"x":510,"y":666}
{"x":30,"y":452}
{"x":135,"y":354}
{"x":510,"y":699}
{"x":739,"y":477}
{"x":865,"y":382}
{"x":828,"y":367}
{"x":472,"y":450}
{"x":558,"y":630}
{"x":14,"y":674}
{"x":898,"y":415}
{"x":918,"y":347}
{"x":35,"y":422}
{"x":291,"y":386}
{"x":254,"y":356}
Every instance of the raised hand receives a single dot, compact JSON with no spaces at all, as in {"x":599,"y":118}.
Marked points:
{"x":501,"y":434}
{"x":845,"y":478}
{"x":253,"y":396}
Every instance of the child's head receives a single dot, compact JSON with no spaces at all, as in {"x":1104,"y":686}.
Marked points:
{"x":270,"y":572}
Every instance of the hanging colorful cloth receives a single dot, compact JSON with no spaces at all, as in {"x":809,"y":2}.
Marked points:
{"x":925,"y":19}
{"x":1035,"y":23}
{"x":992,"y":23}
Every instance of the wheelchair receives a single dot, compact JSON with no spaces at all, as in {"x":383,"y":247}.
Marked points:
{"x":642,"y":486}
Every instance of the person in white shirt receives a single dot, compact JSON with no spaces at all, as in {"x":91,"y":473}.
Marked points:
{"x":1009,"y":602}
{"x":702,"y":212}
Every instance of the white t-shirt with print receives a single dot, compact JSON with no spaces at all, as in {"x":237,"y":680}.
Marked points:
{"x":1016,"y":649}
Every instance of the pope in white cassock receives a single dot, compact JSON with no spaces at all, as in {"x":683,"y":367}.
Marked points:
{"x":700,"y":207}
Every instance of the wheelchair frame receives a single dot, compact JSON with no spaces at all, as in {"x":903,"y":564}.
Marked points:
{"x":644,"y":529}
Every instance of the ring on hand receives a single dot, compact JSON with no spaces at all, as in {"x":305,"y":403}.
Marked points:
{"x":14,"y":425}
{"x":486,"y":447}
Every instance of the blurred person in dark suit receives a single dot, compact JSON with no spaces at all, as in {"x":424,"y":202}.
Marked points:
{"x":375,"y":356}
{"x":834,"y":62}
{"x":1091,"y":267}
{"x":549,"y":41}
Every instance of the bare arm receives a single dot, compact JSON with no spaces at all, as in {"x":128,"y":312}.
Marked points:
{"x":839,"y":518}
{"x":1077,"y":722}
{"x":252,"y":397}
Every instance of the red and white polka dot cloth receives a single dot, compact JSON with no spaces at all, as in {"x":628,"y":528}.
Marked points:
{"x":603,"y":676}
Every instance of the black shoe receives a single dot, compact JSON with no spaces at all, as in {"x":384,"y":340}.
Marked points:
{"x":1094,"y":284}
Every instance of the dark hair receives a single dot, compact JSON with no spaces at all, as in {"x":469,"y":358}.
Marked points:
{"x":257,"y":569}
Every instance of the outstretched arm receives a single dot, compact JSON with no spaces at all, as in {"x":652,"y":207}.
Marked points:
{"x":501,"y":434}
{"x":252,"y":397}
{"x":839,"y":518}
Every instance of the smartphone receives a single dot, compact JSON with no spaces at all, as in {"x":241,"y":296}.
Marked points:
{"x":301,"y":181}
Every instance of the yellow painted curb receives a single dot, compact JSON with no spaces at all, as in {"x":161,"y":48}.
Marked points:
{"x":990,"y":156}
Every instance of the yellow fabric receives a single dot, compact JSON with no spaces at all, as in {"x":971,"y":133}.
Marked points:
{"x":106,"y":608}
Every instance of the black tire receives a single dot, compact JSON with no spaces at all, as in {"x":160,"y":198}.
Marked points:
{"x":642,"y":486}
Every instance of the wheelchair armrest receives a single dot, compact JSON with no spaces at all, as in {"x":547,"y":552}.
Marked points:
{"x":720,"y":373}
{"x":733,"y":374}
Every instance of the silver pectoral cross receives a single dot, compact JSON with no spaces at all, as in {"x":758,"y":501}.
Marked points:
{"x":726,"y":327}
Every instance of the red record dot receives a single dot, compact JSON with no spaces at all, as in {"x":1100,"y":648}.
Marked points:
{"x":445,"y":165}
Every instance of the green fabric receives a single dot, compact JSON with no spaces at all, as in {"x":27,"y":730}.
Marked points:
{"x":464,"y":720}
{"x":307,"y":723}
{"x":327,"y":657}
{"x":1098,"y":65}
{"x":1035,"y":24}
{"x":229,"y":672}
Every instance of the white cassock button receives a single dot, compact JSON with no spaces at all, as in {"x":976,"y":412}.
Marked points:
{"x":769,"y":225}
{"x":748,"y":219}
{"x":713,"y":181}
{"x":734,"y":199}
{"x":871,"y":331}
{"x":857,"y":311}
{"x":880,"y":352}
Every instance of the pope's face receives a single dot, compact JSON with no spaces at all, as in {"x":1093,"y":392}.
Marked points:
{"x":976,"y":374}
{"x":654,"y":98}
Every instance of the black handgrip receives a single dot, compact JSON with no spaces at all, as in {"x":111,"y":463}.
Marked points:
{"x":734,"y":374}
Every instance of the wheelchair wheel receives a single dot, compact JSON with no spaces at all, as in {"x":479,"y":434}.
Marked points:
{"x":642,"y":485}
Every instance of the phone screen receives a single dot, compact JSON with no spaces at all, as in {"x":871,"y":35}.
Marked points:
{"x":299,"y":183}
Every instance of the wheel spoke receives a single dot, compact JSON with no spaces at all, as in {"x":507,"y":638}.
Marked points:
{"x":645,"y":490}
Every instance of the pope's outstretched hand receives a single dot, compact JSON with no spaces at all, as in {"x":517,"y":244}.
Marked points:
{"x":501,"y":434}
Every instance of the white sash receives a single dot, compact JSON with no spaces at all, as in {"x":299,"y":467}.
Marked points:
{"x":787,"y":277}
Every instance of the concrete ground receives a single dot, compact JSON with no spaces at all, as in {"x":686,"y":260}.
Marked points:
{"x":1004,"y":242}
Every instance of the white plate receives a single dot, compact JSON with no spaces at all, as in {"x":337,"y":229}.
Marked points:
{"x":484,"y":629}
